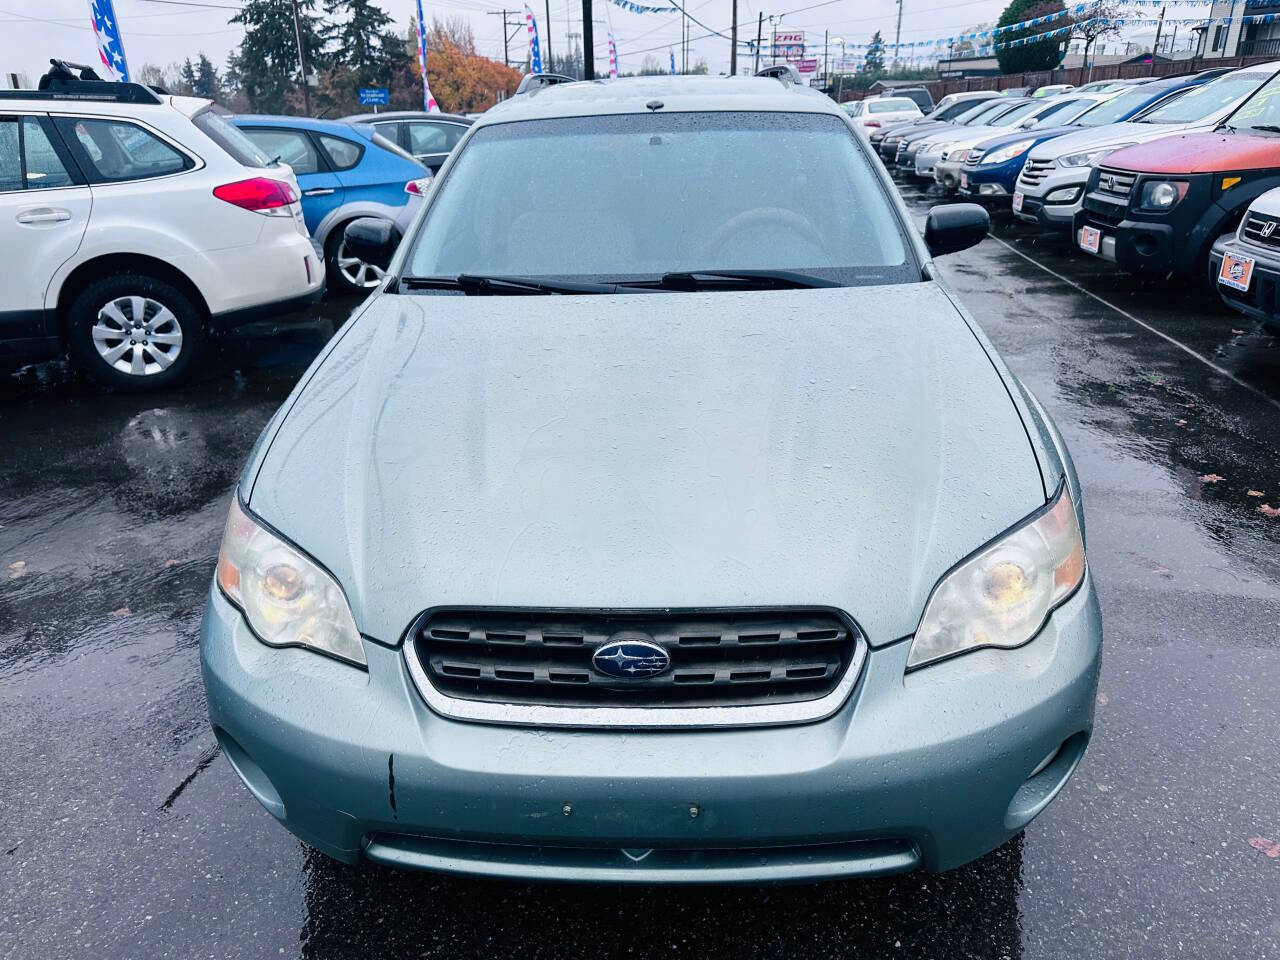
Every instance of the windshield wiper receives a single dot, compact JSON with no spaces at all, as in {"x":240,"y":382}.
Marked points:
{"x":480,"y":285}
{"x":1264,"y":127}
{"x":737,"y":279}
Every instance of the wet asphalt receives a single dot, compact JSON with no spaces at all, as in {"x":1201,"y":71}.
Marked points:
{"x":125,"y":834}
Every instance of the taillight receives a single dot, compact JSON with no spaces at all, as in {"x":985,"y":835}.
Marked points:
{"x":417,"y":187}
{"x":873,"y":123}
{"x":259,"y":194}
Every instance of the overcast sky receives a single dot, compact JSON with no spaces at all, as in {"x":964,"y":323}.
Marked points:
{"x":164,"y":31}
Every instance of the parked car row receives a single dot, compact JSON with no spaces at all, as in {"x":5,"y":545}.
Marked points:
{"x":1178,"y":176}
{"x":136,"y":223}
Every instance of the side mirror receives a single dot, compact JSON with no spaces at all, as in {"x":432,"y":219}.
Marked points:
{"x":373,"y":240}
{"x":955,"y":226}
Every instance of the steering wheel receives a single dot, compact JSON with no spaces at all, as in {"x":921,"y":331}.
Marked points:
{"x":771,"y":217}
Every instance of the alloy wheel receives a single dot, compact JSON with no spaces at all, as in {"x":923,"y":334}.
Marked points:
{"x":357,"y":272}
{"x":137,"y":336}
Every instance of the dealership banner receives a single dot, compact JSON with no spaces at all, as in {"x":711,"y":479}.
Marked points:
{"x":613,"y":57}
{"x":788,"y":46}
{"x":110,"y":46}
{"x":535,"y":52}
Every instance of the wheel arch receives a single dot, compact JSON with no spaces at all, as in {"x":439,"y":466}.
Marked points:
{"x":117,"y":263}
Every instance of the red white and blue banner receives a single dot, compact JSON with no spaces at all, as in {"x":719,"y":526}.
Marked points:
{"x":673,"y":62}
{"x":110,"y":47}
{"x":535,"y":51}
{"x":613,"y":57}
{"x":428,"y":101}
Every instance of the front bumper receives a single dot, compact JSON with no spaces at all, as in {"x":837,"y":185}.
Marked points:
{"x":922,"y":162}
{"x":930,"y":769}
{"x":1262,"y":300}
{"x":946,"y":173}
{"x":1057,"y":215}
{"x":1136,"y":246}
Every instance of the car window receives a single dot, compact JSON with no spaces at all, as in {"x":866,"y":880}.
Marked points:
{"x":389,"y":129}
{"x":953,"y":111}
{"x":1261,"y":113}
{"x":1018,"y":114}
{"x":111,"y":151}
{"x":854,"y":109}
{"x":289,"y":146}
{"x":671,"y":192}
{"x":230,"y":138}
{"x":27,"y":159}
{"x":427,"y":137}
{"x":1115,"y":109}
{"x":343,"y":154}
{"x":891,"y":106}
{"x":1208,"y":99}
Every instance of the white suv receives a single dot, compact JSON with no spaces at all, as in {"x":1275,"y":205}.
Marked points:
{"x":133,"y":222}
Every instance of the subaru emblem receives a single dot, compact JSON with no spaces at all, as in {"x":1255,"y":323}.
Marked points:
{"x":630,"y":658}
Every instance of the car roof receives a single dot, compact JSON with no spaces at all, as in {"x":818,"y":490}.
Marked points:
{"x":677,"y":94}
{"x":406,"y":115}
{"x":303,"y":123}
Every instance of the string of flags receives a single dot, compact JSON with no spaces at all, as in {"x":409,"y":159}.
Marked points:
{"x":641,"y":8}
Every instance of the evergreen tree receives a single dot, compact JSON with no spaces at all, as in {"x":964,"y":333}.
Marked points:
{"x":875,"y":55}
{"x":267,"y":63}
{"x":188,"y":76}
{"x":206,"y":82}
{"x":1044,"y":55}
{"x":361,"y":38}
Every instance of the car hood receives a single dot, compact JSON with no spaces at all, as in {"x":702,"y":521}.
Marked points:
{"x":1200,"y":153}
{"x":1099,"y":138}
{"x":1039,"y":134}
{"x":839,"y":447}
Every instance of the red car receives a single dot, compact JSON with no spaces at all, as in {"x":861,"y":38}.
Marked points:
{"x":1158,"y":207}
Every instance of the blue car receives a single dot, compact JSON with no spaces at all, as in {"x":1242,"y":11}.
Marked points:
{"x":992,"y":167}
{"x":345,"y":171}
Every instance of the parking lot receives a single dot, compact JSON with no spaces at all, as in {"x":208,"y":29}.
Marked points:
{"x":126,"y":833}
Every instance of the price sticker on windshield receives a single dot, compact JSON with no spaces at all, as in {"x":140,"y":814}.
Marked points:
{"x":1236,"y":271}
{"x":1090,"y":239}
{"x":1017,"y":203}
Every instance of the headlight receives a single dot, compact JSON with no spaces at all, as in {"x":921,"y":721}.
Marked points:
{"x":287,"y":600}
{"x":1008,"y":153}
{"x":1090,"y":158}
{"x":1162,"y":194}
{"x":1003,"y":594}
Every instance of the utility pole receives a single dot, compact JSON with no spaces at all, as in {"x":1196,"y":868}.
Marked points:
{"x":759,"y":32}
{"x":1155,"y":49}
{"x":506,"y":24}
{"x":302,"y":58}
{"x":733,"y":43}
{"x":826,"y":59}
{"x":897,"y":36}
{"x":547,"y":65}
{"x":588,"y":43}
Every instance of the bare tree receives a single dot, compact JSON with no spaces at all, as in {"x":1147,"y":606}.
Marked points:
{"x":1096,"y":23}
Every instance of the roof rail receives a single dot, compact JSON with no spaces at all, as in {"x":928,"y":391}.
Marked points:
{"x":534,"y":82}
{"x":62,"y":83}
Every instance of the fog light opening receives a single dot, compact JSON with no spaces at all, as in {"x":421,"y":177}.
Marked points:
{"x":1045,"y":781}
{"x":254,"y":777}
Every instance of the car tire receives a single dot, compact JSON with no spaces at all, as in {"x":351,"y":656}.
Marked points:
{"x":344,"y":273}
{"x":134,"y":331}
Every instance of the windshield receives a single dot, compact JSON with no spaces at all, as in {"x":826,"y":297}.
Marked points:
{"x":975,"y":114}
{"x":891,"y":106}
{"x":1059,"y":112}
{"x":1017,"y":114}
{"x":631,"y":197}
{"x":1261,"y":114}
{"x":954,"y":111}
{"x":1116,"y":109}
{"x":1202,"y":102}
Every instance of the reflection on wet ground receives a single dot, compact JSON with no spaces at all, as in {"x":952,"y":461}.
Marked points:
{"x":126,"y":835}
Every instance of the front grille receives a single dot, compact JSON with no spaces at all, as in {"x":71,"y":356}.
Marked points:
{"x":1261,"y":229}
{"x":1115,"y":183}
{"x":544,"y":658}
{"x":1033,"y":172}
{"x":974,"y":156}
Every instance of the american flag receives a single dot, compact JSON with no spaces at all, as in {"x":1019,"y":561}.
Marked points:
{"x":110,"y":46}
{"x":428,"y":101}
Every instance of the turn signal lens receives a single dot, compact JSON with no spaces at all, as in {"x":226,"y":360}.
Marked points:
{"x":286,"y":598}
{"x":1002,"y":595}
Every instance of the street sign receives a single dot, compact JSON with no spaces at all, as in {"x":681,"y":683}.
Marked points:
{"x":375,"y":96}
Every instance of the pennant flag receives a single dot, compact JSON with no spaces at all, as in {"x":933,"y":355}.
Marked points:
{"x":613,"y":57}
{"x":110,"y":47}
{"x":428,"y":101}
{"x":673,"y":62}
{"x":535,"y":52}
